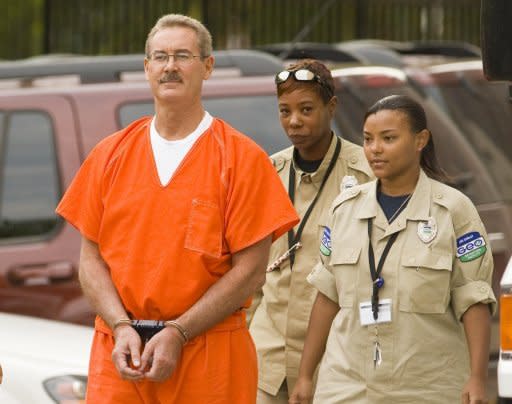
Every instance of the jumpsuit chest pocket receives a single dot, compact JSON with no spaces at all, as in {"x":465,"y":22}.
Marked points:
{"x":204,"y":229}
{"x":424,"y":280}
{"x":345,"y":263}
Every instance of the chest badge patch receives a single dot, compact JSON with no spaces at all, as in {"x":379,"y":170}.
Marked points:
{"x":325,"y":243}
{"x":427,"y":231}
{"x":470,"y":246}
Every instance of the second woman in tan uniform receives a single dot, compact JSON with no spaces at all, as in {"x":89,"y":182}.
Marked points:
{"x":404,"y":302}
{"x":314,"y":170}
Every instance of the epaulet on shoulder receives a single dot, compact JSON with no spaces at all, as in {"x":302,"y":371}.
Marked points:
{"x":279,"y":159}
{"x":356,"y":158}
{"x":449,"y":197}
{"x":345,"y":196}
{"x":459,"y":205}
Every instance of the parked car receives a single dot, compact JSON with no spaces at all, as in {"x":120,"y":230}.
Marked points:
{"x":43,"y":361}
{"x":505,"y":358}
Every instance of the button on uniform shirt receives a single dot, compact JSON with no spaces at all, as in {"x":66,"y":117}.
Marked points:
{"x":281,"y":312}
{"x":431,"y":282}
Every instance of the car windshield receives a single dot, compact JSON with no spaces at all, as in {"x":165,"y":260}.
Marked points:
{"x":454,"y":152}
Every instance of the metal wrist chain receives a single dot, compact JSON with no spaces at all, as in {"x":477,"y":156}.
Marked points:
{"x":179,"y":327}
{"x":122,"y":321}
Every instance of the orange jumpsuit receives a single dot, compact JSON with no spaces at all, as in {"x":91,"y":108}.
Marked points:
{"x":166,"y":245}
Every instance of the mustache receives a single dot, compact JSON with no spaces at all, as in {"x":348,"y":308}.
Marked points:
{"x":171,"y":76}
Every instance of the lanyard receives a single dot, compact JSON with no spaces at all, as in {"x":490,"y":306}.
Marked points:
{"x":295,"y":238}
{"x":378,"y":281}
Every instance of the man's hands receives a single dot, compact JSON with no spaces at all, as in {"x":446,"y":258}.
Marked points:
{"x":126,"y":353}
{"x":161,"y":354}
{"x":159,"y":357}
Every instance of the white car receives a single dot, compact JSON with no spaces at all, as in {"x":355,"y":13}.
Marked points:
{"x":43,"y":361}
{"x":505,"y":360}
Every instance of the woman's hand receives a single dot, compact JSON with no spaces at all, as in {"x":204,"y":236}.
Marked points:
{"x":302,"y":392}
{"x":474,"y":391}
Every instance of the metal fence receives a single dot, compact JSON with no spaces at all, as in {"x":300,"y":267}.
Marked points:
{"x":34,"y":27}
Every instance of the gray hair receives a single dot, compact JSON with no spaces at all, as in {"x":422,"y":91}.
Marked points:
{"x":178,"y":20}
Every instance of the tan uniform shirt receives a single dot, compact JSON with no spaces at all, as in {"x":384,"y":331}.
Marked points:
{"x":440,"y":265}
{"x":281,"y":318}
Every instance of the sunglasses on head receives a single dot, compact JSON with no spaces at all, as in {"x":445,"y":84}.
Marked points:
{"x":299,"y":75}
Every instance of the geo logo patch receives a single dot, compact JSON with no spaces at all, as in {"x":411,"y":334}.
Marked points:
{"x":325,"y":243}
{"x":470,"y":246}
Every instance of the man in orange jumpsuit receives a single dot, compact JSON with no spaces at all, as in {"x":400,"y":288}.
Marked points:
{"x":176,"y":224}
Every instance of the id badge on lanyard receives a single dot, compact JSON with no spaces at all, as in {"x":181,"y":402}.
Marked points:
{"x":366,"y":313}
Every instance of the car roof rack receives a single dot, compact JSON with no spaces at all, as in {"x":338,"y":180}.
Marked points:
{"x":310,"y":50}
{"x":100,"y":69}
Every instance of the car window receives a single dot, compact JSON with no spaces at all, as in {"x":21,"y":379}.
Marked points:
{"x":453,"y":150}
{"x":256,"y":116}
{"x":133,"y":111}
{"x":29,"y":183}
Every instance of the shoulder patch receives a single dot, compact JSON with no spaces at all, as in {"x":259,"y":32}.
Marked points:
{"x":470,"y":246}
{"x":278,"y":163}
{"x":325,"y":243}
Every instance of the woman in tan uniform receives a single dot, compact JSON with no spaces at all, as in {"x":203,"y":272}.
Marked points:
{"x":313,"y":170}
{"x":404,"y":302}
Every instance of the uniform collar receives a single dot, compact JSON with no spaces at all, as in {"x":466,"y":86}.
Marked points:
{"x":418,"y":207}
{"x":318,"y":175}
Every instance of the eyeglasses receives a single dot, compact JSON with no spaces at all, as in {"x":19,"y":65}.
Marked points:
{"x":180,"y":58}
{"x":299,"y":75}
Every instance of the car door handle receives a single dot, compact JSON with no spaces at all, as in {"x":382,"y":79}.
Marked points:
{"x":41,"y":274}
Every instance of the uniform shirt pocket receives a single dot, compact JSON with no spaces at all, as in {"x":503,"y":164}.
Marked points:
{"x":424,"y":280}
{"x":204,"y":230}
{"x":344,"y":263}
